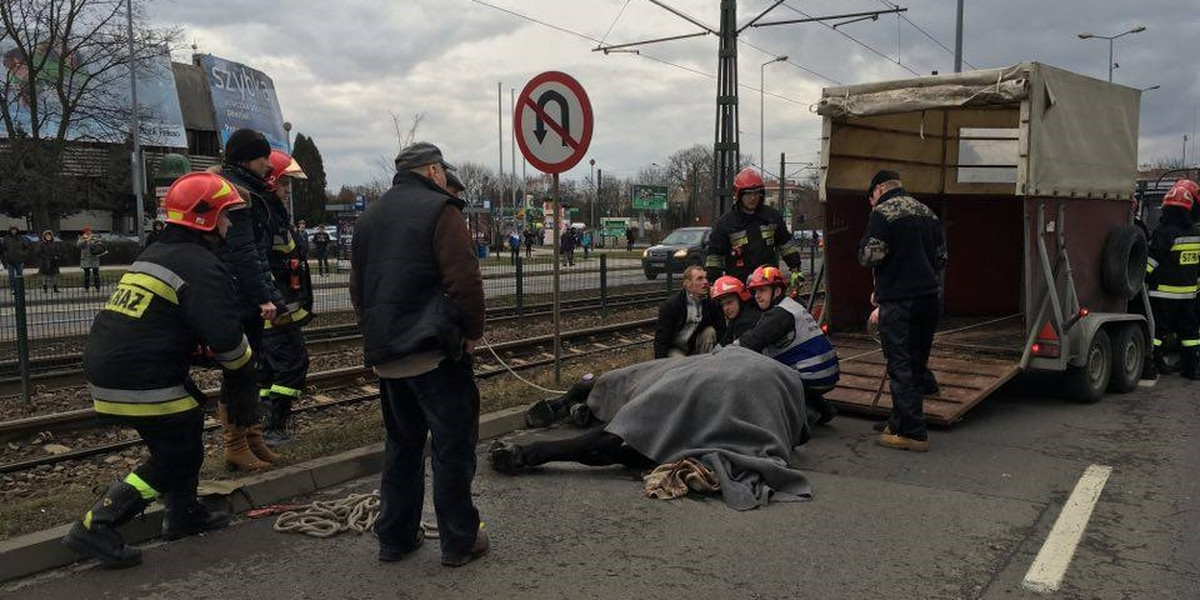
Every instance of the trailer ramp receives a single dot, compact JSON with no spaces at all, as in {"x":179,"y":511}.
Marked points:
{"x":971,"y":359}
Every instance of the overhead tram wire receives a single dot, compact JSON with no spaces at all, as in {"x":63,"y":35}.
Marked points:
{"x":589,"y":38}
{"x":615,"y":19}
{"x":856,"y":41}
{"x":926,"y":33}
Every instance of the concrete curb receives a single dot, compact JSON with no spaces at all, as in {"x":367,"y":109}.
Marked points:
{"x":39,"y":551}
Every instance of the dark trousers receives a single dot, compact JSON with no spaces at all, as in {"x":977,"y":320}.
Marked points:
{"x":906,"y":329}
{"x":595,"y":448}
{"x":14,"y":269}
{"x":1176,"y":317}
{"x":283,"y":361}
{"x":90,"y":274}
{"x":444,"y":403}
{"x":176,"y":453}
{"x":322,"y":262}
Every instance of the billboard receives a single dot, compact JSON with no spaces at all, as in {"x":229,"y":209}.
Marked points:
{"x":243,"y":98}
{"x":158,"y":101}
{"x":650,"y":197}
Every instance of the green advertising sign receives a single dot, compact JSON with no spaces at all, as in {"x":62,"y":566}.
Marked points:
{"x":613,"y":227}
{"x":650,"y":197}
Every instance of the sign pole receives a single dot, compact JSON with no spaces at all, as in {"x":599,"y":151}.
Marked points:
{"x":557,"y":323}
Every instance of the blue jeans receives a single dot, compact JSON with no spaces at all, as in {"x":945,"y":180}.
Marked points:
{"x":445,"y":403}
{"x":14,"y":269}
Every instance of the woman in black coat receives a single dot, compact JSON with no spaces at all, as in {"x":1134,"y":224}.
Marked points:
{"x":49,"y":257}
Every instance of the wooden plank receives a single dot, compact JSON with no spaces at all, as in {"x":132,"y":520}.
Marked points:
{"x":945,"y":378}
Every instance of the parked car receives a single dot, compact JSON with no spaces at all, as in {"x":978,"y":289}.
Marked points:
{"x":683,"y":247}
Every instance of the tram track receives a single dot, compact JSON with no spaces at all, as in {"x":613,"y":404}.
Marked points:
{"x":65,"y":371}
{"x":519,"y":354}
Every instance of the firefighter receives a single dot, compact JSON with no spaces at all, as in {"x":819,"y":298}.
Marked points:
{"x":740,"y":312}
{"x":283,"y":359}
{"x":789,"y":334}
{"x":750,"y":234}
{"x":175,"y":298}
{"x":1171,"y":277}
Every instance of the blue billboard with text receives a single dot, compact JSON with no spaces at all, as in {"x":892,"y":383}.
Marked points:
{"x":243,"y":98}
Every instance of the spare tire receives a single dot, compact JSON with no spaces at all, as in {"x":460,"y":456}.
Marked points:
{"x":1123,"y":264}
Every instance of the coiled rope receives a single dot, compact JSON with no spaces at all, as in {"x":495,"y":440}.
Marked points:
{"x":327,"y":518}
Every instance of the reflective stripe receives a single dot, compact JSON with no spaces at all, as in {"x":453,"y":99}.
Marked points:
{"x":791,"y":247}
{"x":816,"y":360}
{"x":1189,"y":343}
{"x":298,"y":314}
{"x":1149,"y":268}
{"x":143,"y":488}
{"x":1177,"y":289}
{"x":284,"y":248}
{"x":1185,"y":247}
{"x":1187,"y":239}
{"x":714,"y":261}
{"x":286,"y":391}
{"x":234,"y":354}
{"x":145,"y":410}
{"x":239,"y":362}
{"x":1173,"y":295}
{"x":151,"y":284}
{"x":138,"y":396}
{"x":831,"y":371}
{"x":264,"y":392}
{"x":1158,"y":342}
{"x":160,"y":272}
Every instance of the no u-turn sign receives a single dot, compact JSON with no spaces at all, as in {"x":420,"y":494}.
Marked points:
{"x":553,"y":122}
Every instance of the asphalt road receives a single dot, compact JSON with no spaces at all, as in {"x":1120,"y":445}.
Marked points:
{"x":964,"y":521}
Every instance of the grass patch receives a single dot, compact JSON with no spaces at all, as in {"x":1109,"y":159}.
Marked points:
{"x":24,"y":515}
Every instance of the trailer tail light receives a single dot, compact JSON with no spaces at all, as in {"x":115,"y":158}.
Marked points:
{"x":1047,"y":343}
{"x":825,"y":328}
{"x":1083,"y":312}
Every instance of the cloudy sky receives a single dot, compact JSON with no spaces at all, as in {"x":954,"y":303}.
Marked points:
{"x":342,"y":67}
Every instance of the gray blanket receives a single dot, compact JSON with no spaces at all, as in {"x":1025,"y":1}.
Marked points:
{"x":738,"y":411}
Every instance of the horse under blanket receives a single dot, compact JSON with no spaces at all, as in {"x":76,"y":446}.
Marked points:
{"x":738,"y":411}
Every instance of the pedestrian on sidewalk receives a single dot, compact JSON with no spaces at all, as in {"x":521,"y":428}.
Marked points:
{"x":586,"y":242}
{"x":320,"y":242}
{"x":15,"y":250}
{"x":566,"y":246}
{"x":904,"y":247}
{"x":514,"y":246}
{"x":302,"y":237}
{"x":529,"y":235}
{"x":90,"y":250}
{"x":49,"y":260}
{"x":418,"y":294}
{"x":630,"y":235}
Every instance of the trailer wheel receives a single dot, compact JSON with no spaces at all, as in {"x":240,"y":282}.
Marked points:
{"x":1129,"y":356}
{"x":1123,"y":263}
{"x":1087,"y":383}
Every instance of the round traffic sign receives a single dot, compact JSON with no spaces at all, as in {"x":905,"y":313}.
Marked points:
{"x":553,"y":122}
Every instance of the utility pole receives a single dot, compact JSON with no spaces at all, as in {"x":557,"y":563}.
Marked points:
{"x":726,"y":145}
{"x":500,"y":132}
{"x":512,"y":147}
{"x":958,"y":42}
{"x":138,"y":176}
{"x":782,"y":184}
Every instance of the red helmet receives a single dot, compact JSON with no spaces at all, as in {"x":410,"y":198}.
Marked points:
{"x":283,"y":165}
{"x":1184,"y":194}
{"x":747,"y":180}
{"x":764,"y":276}
{"x":196,"y":200}
{"x":727,"y":285}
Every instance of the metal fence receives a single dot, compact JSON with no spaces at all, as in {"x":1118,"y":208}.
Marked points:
{"x":43,"y":328}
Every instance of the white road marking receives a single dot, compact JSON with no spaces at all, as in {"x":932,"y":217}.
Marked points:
{"x":1047,"y":571}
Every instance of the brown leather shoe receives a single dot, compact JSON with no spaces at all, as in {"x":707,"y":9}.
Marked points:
{"x":237,"y":451}
{"x":900,"y":442}
{"x":479,"y":548}
{"x":258,"y":446}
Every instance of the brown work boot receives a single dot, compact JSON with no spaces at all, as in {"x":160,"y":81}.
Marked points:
{"x":900,"y":442}
{"x":237,"y":451}
{"x":479,"y":548}
{"x":258,"y":445}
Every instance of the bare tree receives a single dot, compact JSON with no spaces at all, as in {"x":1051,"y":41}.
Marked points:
{"x":66,"y":63}
{"x":404,"y":138}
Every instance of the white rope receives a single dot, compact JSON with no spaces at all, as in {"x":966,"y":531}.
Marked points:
{"x":488,"y":345}
{"x":327,"y":518}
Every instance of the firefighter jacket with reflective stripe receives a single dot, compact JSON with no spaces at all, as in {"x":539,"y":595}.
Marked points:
{"x":289,"y":268}
{"x":742,"y":242}
{"x":1173,"y":267}
{"x":788,"y":333}
{"x":175,"y":298}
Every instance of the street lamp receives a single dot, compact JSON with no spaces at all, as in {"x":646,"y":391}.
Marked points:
{"x":1110,"y":38}
{"x":762,"y":141}
{"x":1147,"y":89}
{"x":287,"y":129}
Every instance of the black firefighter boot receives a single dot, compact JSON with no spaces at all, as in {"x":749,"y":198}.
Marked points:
{"x":96,"y":534}
{"x":278,"y":413}
{"x":1191,"y":364}
{"x":186,"y":515}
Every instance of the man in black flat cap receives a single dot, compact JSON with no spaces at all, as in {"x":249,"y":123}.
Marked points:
{"x":418,"y":293}
{"x":905,"y":247}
